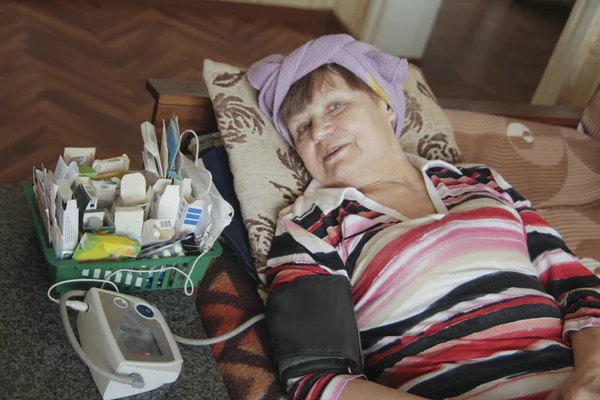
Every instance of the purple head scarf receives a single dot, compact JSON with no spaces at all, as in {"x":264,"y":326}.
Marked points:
{"x":274,"y":75}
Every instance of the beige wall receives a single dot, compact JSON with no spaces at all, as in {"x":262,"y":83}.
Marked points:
{"x":353,"y":14}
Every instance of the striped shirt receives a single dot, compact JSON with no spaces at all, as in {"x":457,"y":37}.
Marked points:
{"x":475,"y":301}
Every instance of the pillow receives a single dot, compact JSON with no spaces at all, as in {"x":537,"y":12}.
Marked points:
{"x":427,"y":131}
{"x":269,"y":174}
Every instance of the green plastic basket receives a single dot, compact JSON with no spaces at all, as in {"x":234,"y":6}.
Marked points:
{"x":62,"y":270}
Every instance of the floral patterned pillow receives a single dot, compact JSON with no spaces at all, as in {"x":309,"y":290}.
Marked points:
{"x":427,"y":130}
{"x":268,"y":173}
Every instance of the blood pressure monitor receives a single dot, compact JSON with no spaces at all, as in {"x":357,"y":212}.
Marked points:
{"x":126,"y":335}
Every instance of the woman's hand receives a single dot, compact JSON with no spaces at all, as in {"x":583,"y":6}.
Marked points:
{"x":583,"y":384}
{"x":362,"y":389}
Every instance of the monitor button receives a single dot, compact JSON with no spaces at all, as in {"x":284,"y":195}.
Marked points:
{"x":145,"y":311}
{"x":120,"y":302}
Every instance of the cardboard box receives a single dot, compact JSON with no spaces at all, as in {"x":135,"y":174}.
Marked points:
{"x":133,"y":194}
{"x":107,"y":222}
{"x":129,"y":222}
{"x":106,"y":191}
{"x":86,"y":196}
{"x":165,"y":201}
{"x":67,"y":220}
{"x":189,"y":216}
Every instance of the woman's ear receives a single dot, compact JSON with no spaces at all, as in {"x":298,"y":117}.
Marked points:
{"x":391,"y":113}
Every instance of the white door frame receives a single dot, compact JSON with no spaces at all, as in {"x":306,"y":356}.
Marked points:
{"x":401,"y":27}
{"x":570,"y":48}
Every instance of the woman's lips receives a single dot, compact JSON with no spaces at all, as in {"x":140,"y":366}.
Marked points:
{"x":338,"y":150}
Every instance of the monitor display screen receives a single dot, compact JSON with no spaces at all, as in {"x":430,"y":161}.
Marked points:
{"x":140,"y":341}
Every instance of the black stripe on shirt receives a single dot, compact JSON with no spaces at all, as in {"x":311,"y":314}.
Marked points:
{"x":576,"y":306}
{"x":443,"y":172}
{"x":467,"y":377}
{"x":285,"y":245}
{"x":315,"y":214}
{"x":539,"y":243}
{"x":516,"y":196}
{"x":482,"y":286}
{"x":306,"y":387}
{"x":557,"y":287}
{"x":574,"y":300}
{"x":311,"y":216}
{"x":466,"y":327}
{"x":351,"y":261}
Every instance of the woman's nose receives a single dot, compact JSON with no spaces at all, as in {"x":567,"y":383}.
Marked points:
{"x":321,"y":128}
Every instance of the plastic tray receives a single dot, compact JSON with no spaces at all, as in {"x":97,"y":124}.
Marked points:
{"x":62,"y":270}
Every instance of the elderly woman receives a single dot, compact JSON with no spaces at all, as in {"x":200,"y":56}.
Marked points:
{"x":395,"y":277}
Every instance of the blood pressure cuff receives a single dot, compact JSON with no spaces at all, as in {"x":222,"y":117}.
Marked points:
{"x":312,"y":327}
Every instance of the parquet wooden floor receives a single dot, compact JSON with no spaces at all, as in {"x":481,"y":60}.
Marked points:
{"x":492,"y":50}
{"x":73,"y":72}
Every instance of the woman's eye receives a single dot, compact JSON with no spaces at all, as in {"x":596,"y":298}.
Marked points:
{"x":335,"y":106}
{"x":303,"y":128}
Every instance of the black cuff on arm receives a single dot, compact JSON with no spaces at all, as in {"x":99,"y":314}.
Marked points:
{"x":312,"y":327}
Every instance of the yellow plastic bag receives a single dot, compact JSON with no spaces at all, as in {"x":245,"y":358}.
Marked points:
{"x":98,"y":247}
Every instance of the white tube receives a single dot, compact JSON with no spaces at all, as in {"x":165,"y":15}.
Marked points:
{"x":206,"y":342}
{"x":111,"y":165}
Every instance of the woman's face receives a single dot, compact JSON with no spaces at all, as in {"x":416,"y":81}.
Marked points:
{"x":343,"y":135}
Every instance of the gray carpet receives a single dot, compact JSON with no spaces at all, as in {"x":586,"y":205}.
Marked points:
{"x":37,"y":361}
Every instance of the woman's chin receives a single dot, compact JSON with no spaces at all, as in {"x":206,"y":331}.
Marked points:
{"x":340,"y":174}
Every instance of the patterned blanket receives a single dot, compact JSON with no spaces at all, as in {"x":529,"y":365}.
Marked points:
{"x":225,"y":299}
